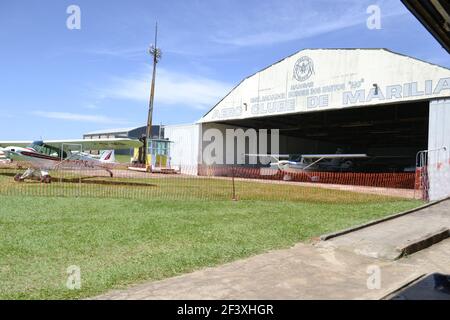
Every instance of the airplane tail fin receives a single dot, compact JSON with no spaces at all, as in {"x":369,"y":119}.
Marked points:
{"x":107,"y":156}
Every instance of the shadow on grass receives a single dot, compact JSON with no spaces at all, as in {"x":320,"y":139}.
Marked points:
{"x":89,"y":180}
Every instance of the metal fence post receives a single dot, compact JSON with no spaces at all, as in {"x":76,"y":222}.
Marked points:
{"x":234,"y":187}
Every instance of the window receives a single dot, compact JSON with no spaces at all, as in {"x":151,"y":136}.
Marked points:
{"x":41,"y":147}
{"x":159,"y":147}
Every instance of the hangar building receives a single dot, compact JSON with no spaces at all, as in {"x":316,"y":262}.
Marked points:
{"x":131,"y":133}
{"x":372,"y":101}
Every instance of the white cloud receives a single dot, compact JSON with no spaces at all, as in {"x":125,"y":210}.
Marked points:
{"x":128,"y":53}
{"x":91,"y":106}
{"x":273,"y":37}
{"x":297,"y":20}
{"x":78,"y":117}
{"x":172,"y":88}
{"x":6,"y":115}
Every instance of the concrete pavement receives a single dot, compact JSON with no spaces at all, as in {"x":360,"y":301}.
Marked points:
{"x":344,"y":268}
{"x":385,"y":240}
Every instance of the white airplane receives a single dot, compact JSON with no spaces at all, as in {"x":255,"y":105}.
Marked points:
{"x":312,"y":162}
{"x":3,"y":158}
{"x":63,"y":154}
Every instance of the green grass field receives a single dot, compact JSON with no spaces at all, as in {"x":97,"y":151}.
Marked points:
{"x":123,"y":158}
{"x":119,"y":242}
{"x":122,"y":231}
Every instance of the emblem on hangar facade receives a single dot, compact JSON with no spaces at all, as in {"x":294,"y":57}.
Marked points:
{"x":303,"y":68}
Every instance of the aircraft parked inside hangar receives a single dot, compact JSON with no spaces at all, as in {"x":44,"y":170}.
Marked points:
{"x":313,"y":162}
{"x":317,"y":162}
{"x":53,"y":154}
{"x":339,"y":162}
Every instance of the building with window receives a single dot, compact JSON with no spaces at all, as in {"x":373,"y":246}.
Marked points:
{"x":130,"y":133}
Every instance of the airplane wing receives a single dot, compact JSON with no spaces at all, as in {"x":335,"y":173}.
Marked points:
{"x":23,"y":144}
{"x":267,"y":155}
{"x":334,"y":156}
{"x":276,"y":157}
{"x":95,"y":144}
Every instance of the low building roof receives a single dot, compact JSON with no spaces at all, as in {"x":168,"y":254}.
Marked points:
{"x":435,"y":16}
{"x":105,"y":131}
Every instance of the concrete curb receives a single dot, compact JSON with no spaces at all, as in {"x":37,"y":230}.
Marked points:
{"x":404,"y":285}
{"x":423,"y":242}
{"x":329,"y":236}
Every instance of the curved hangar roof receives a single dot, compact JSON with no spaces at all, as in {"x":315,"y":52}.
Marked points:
{"x":323,"y":79}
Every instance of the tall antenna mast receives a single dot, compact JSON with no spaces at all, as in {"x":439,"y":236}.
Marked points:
{"x":155,"y":52}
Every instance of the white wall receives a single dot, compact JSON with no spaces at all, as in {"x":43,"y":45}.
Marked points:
{"x":438,"y":158}
{"x":184,"y":150}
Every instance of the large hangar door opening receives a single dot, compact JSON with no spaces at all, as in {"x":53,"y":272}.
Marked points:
{"x":390,"y":134}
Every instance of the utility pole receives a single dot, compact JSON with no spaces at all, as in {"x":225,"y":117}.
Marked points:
{"x":155,"y":52}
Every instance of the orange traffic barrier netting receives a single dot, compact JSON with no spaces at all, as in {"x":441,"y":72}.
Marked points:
{"x":205,"y":182}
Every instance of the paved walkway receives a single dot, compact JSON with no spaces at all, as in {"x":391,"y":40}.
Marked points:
{"x":385,"y":239}
{"x":321,"y":271}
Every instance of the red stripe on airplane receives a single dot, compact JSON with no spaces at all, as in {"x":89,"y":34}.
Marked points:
{"x":40,"y":156}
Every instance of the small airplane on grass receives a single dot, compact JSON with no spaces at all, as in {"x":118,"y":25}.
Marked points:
{"x":63,"y":154}
{"x":3,"y":158}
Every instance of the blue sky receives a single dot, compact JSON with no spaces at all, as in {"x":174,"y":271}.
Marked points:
{"x":59,"y":83}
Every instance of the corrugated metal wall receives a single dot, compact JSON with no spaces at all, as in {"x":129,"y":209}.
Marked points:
{"x":184,"y":151}
{"x":287,"y":145}
{"x":439,"y":149}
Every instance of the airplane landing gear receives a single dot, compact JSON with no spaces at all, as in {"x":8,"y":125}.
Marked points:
{"x":33,"y":174}
{"x":46,"y":179}
{"x":110,"y":173}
